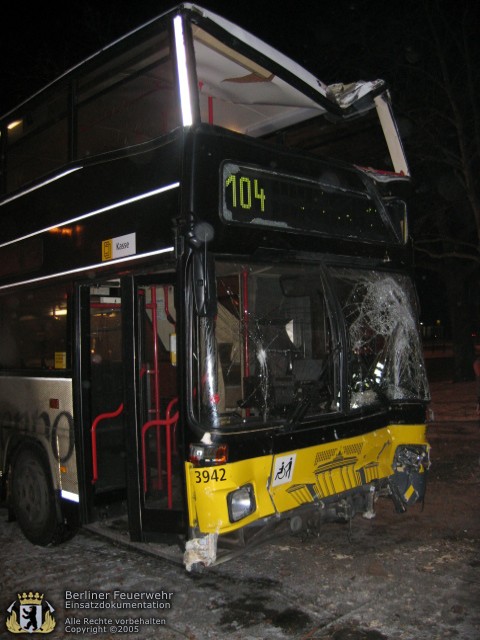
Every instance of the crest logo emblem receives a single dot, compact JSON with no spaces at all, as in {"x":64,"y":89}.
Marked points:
{"x":30,"y":614}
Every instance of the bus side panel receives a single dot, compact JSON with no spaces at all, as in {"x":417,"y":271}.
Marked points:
{"x":40,"y":409}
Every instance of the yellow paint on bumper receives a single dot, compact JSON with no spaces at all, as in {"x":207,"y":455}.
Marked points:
{"x":295,"y":478}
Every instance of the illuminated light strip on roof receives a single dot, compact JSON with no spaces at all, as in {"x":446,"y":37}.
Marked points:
{"x":96,"y":212}
{"x":185,"y":101}
{"x":39,"y":186}
{"x":89,"y":267}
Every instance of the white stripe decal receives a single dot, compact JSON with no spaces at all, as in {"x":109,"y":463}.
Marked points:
{"x":96,"y":212}
{"x":185,"y":100}
{"x":99,"y":265}
{"x":39,"y":186}
{"x":68,"y":495}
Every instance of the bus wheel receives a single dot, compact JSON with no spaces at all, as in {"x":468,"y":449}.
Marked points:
{"x":33,"y":498}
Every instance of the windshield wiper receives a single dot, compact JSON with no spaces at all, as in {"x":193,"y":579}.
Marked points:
{"x":299,"y":412}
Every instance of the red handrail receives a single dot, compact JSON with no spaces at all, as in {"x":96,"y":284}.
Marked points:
{"x":93,"y":430}
{"x":167,"y":423}
{"x":170,"y":406}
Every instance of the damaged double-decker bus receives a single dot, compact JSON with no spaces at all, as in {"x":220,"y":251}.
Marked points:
{"x":208,"y":323}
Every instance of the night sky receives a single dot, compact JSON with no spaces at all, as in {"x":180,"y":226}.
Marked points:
{"x":339,"y":41}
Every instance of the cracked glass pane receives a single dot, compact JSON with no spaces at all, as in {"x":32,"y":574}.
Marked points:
{"x":385,"y":352}
{"x":272,"y":353}
{"x":272,"y":356}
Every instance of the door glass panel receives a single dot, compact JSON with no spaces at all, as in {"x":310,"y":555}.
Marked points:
{"x":109,"y":472}
{"x":158,"y":385}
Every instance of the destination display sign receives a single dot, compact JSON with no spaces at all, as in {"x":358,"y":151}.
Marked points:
{"x":251,"y":195}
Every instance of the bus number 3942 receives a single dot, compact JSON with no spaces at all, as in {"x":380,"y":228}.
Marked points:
{"x":207,"y":475}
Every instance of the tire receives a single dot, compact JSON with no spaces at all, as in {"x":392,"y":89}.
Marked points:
{"x":33,"y":499}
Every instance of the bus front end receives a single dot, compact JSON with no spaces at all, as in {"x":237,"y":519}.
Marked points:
{"x":307,"y":392}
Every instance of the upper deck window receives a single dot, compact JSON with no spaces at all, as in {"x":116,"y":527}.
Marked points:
{"x":130,"y":94}
{"x":239,"y":94}
{"x":129,"y":100}
{"x":37,"y":140}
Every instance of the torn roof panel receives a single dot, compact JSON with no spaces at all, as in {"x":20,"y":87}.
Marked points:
{"x":338,"y":95}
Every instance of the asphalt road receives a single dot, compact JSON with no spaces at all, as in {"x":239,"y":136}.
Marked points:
{"x":411,"y":576}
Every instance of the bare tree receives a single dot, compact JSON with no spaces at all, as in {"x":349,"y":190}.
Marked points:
{"x":444,"y":107}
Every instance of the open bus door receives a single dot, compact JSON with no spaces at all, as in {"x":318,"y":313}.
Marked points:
{"x":130,"y":408}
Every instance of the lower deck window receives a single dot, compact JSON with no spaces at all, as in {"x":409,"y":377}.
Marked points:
{"x":33,"y":329}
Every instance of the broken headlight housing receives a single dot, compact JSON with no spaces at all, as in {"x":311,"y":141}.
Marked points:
{"x":241,"y":503}
{"x":411,"y":458}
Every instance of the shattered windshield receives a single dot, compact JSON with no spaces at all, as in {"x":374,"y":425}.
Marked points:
{"x":385,"y":351}
{"x":273,"y":351}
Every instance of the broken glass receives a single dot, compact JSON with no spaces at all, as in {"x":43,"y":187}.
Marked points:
{"x":273,"y":351}
{"x":272,"y":348}
{"x":385,"y":351}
